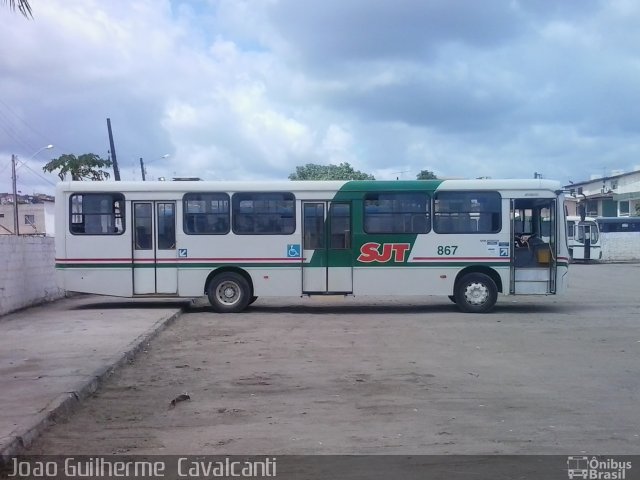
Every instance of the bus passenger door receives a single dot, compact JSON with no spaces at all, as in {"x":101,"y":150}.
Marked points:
{"x":583,"y":236}
{"x":154,"y":248}
{"x":534,"y":246}
{"x":326,"y":235}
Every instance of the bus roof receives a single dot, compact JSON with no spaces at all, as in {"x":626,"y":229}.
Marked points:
{"x":311,"y":185}
{"x":618,"y":219}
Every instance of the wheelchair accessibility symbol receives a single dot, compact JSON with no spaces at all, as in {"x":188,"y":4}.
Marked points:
{"x":293,"y":250}
{"x":504,"y":251}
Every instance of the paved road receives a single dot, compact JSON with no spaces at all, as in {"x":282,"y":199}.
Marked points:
{"x":343,"y":375}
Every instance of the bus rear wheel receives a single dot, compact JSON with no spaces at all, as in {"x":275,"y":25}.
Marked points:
{"x":476,"y":293}
{"x":229,"y":292}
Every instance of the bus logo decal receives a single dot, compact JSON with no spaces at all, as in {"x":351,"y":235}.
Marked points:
{"x":372,"y":252}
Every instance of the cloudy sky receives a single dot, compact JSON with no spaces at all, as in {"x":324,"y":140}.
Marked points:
{"x":248,"y":89}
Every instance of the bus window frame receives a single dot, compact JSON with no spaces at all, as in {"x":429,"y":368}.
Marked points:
{"x":185,"y":212}
{"x":476,"y":232}
{"x":122,"y":216}
{"x":236,"y":198}
{"x":427,"y":215}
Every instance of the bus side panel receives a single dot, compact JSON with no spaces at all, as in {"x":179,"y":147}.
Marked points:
{"x":100,"y":280}
{"x":505,"y":276}
{"x":191,"y":281}
{"x":402,"y":280}
{"x":264,"y":257}
{"x":267,"y":282}
{"x":276,"y":282}
{"x":434,"y":263}
{"x":98,"y":264}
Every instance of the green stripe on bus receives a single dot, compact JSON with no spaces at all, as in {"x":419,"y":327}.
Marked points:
{"x":353,"y":193}
{"x":365,"y":186}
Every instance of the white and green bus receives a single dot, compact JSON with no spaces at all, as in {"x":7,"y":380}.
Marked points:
{"x":237,"y":241}
{"x":584,"y":239}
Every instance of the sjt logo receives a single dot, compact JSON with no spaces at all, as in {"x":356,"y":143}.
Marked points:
{"x":375,"y":252}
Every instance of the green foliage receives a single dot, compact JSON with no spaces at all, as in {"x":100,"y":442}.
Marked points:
{"x":344,"y":171}
{"x":426,"y":175}
{"x":84,"y":167}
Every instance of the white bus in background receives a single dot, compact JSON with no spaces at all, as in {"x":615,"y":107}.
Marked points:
{"x":237,"y":241}
{"x":584,"y":239}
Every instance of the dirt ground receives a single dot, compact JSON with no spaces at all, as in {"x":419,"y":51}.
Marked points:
{"x":381,"y":376}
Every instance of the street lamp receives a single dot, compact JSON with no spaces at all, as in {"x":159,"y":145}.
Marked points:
{"x":143,"y":170}
{"x":16,"y":223}
{"x":48,"y":147}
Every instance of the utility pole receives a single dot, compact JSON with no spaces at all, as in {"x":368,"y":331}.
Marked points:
{"x":116,"y":170}
{"x":144,"y":172}
{"x":16,"y":224}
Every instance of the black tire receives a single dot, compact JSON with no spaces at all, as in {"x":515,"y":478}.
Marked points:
{"x":476,"y":293}
{"x":452,"y":298}
{"x":229,"y":292}
{"x":252,"y":299}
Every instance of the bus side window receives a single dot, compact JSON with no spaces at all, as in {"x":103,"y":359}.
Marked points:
{"x":467,"y":212}
{"x":96,"y":214}
{"x":142,"y":224}
{"x":263,"y":213}
{"x":397,"y":212}
{"x":166,"y":219}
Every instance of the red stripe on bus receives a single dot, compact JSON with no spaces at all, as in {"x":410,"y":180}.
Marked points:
{"x":93,"y":260}
{"x":179,"y":259}
{"x":278,"y":259}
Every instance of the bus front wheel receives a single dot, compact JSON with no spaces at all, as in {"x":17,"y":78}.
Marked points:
{"x":229,"y":292}
{"x":476,"y":293}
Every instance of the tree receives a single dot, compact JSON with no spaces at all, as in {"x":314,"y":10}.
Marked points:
{"x":22,"y":5}
{"x":84,"y":167}
{"x":426,"y":175}
{"x":344,"y":171}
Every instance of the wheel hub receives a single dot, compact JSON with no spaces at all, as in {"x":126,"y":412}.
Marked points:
{"x":228,"y":293}
{"x":476,"y":293}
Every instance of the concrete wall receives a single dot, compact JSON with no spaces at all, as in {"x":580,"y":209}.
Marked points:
{"x":620,"y":246}
{"x":27,"y":272}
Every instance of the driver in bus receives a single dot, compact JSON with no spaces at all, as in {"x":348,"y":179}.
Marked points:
{"x":527,"y":240}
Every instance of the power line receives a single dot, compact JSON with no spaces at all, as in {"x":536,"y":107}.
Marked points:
{"x":24,"y":162}
{"x":14,"y":138}
{"x":24,"y":122}
{"x":36,"y":173}
{"x":2,"y":169}
{"x":12,"y":132}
